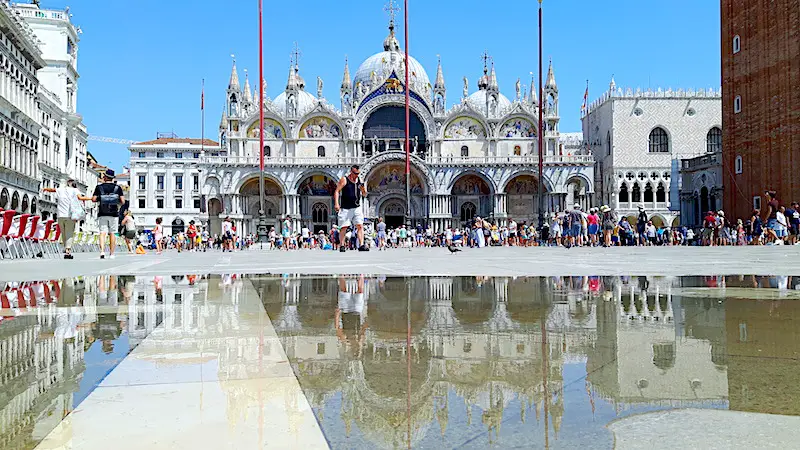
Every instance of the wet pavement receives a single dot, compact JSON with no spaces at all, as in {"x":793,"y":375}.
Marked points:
{"x":288,"y":361}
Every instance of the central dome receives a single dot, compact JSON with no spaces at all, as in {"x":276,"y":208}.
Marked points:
{"x":376,"y":69}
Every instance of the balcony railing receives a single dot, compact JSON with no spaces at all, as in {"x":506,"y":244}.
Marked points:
{"x":435,"y":160}
{"x":707,"y":160}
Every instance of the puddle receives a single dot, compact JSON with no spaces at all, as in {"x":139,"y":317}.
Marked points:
{"x":428,"y":362}
{"x":531,"y":362}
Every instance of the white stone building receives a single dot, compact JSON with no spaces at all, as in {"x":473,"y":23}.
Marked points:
{"x":638,"y":139}
{"x":62,"y":150}
{"x":477,"y":158}
{"x":165,"y":181}
{"x":20,"y":59}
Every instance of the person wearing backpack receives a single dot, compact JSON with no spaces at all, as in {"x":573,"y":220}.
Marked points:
{"x":110,"y":197}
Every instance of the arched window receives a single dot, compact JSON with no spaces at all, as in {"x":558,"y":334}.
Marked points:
{"x":267,"y":151}
{"x":648,"y":193}
{"x":464,"y":151}
{"x":623,"y":193}
{"x":659,"y":141}
{"x":608,"y":143}
{"x":25,"y":203}
{"x":319,"y":213}
{"x":737,"y":104}
{"x":739,"y":166}
{"x":14,"y":200}
{"x":321,"y":151}
{"x":737,"y":44}
{"x":233,"y":106}
{"x":661,"y":193}
{"x":4,"y":198}
{"x":637,"y":193}
{"x":468,"y":210}
{"x":714,"y":140}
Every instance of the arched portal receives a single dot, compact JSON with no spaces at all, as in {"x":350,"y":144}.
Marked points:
{"x":521,"y":198}
{"x":577,"y":193}
{"x":386,"y":182}
{"x":472,"y":188}
{"x":250,"y":203}
{"x":394,"y":212}
{"x":385,"y":130}
{"x":178,"y":226}
{"x":315,"y":192}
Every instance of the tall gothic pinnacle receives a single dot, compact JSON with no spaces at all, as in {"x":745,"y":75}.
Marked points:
{"x":613,"y":85}
{"x":534,"y":98}
{"x":291,"y":83}
{"x":346,"y":83}
{"x":234,"y":82}
{"x":551,"y":78}
{"x":247,"y":95}
{"x":439,"y":76}
{"x":493,"y":79}
{"x":223,"y":123}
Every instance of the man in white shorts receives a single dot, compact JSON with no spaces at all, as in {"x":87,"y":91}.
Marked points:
{"x":351,"y":313}
{"x":349,"y":209}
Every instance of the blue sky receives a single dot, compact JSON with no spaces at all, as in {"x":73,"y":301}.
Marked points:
{"x":141,"y":63}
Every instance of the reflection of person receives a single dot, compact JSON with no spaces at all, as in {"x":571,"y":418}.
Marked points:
{"x":349,"y":209}
{"x":351,"y":313}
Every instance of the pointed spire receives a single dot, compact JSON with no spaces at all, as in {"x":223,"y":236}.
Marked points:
{"x":551,"y":78}
{"x":346,"y":83}
{"x":391,"y":44}
{"x":223,"y":123}
{"x":234,"y":83}
{"x":263,"y":94}
{"x":439,"y":76}
{"x":247,"y":95}
{"x":493,"y":79}
{"x":613,"y":85}
{"x":534,"y":98}
{"x":291,"y":83}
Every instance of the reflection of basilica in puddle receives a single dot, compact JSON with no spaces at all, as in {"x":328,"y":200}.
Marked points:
{"x":386,"y":361}
{"x":476,"y":350}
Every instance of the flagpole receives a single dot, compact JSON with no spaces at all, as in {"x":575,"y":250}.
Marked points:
{"x":203,"y":117}
{"x":262,"y":220}
{"x":541,"y":127}
{"x":408,"y":117}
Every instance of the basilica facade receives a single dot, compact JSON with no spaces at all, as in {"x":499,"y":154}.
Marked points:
{"x":476,"y":158}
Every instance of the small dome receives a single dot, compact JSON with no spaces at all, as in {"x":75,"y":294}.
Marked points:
{"x":478,"y":101}
{"x":305,"y":101}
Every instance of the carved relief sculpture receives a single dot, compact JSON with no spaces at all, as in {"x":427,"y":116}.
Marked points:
{"x":464,"y":128}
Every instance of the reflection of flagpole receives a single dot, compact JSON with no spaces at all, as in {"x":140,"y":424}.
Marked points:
{"x":408,"y":358}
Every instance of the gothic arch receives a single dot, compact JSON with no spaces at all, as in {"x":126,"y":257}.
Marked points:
{"x":310,"y":173}
{"x":254,"y":176}
{"x":517,"y":116}
{"x":584,"y":179}
{"x":513,"y":177}
{"x":467,"y":113}
{"x":486,"y":178}
{"x":389,"y":156}
{"x":376,"y":103}
{"x":268,"y":115}
{"x":320,"y":112}
{"x":548,"y":184}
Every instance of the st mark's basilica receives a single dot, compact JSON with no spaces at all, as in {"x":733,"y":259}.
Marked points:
{"x":477,"y":158}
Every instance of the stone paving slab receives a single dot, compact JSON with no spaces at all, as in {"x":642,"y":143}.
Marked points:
{"x":666,"y":261}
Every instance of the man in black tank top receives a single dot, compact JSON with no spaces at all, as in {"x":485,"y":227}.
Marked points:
{"x":349,"y":209}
